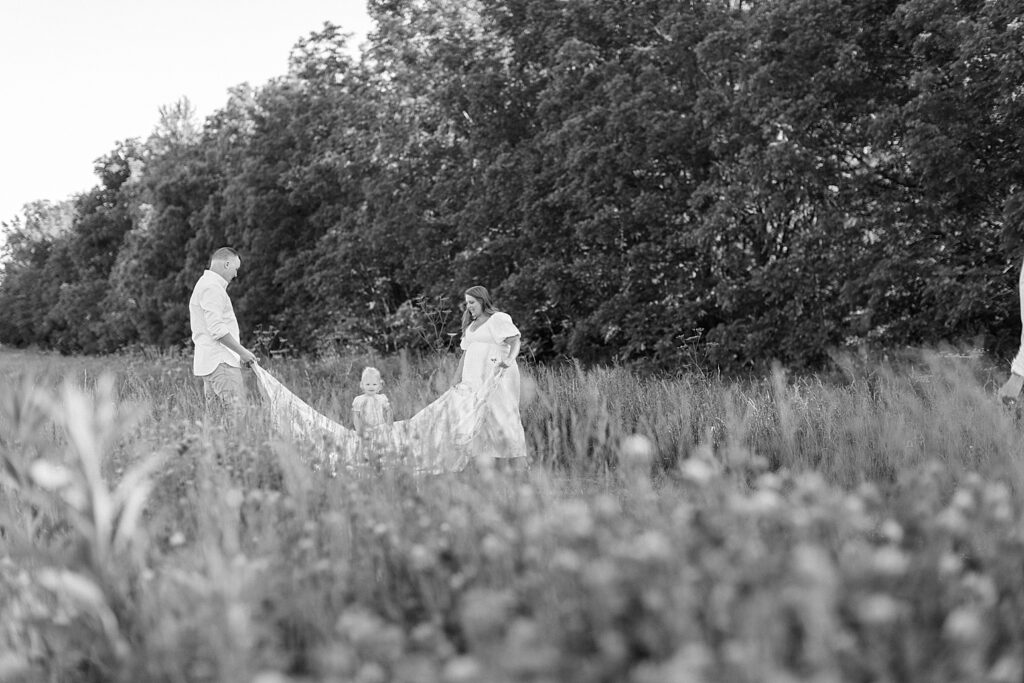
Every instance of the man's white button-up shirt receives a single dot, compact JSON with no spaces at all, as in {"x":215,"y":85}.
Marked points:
{"x":212,"y":316}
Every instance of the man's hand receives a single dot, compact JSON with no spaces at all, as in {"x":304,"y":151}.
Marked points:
{"x":246,"y":356}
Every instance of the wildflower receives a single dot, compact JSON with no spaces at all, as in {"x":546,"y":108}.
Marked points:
{"x":758,"y":502}
{"x":572,"y":518}
{"x":566,"y":560}
{"x":372,"y":637}
{"x":1008,"y":669}
{"x":337,"y":657}
{"x":813,"y":564}
{"x":613,"y":645}
{"x":689,"y":663}
{"x":891,"y":531}
{"x":462,"y":670}
{"x":810,"y":483}
{"x":769,"y":481}
{"x":963,"y":501}
{"x":651,"y":546}
{"x":682,"y":514}
{"x":890,"y":561}
{"x":857,"y":513}
{"x":964,"y":625}
{"x":421,"y":558}
{"x":606,"y":506}
{"x":371,"y":672}
{"x":428,"y":637}
{"x":527,"y":654}
{"x":417,"y":667}
{"x":333,"y":519}
{"x":869,"y":493}
{"x":234,"y":498}
{"x":697,"y":470}
{"x":995,"y":492}
{"x":493,"y":547}
{"x":527,"y":495}
{"x":602,"y":575}
{"x":950,"y":564}
{"x":176,"y":539}
{"x":636,"y":450}
{"x":973,"y":480}
{"x":982,"y":588}
{"x":952,"y":521}
{"x":737,"y":456}
{"x":485,"y":612}
{"x":998,"y":502}
{"x":878,"y":609}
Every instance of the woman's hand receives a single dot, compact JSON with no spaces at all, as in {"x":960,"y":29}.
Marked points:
{"x":513,"y":351}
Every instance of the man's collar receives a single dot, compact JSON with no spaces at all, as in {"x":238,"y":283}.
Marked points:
{"x":220,"y":278}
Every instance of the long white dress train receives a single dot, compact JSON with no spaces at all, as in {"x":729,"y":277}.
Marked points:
{"x":443,"y":437}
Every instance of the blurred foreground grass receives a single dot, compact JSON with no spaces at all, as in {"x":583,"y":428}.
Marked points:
{"x":864,"y":527}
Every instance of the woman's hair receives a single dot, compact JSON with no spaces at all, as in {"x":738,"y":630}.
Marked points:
{"x":370,"y":373}
{"x":481,"y":294}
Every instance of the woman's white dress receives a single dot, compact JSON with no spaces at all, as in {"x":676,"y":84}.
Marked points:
{"x":500,"y":434}
{"x":476,"y":419}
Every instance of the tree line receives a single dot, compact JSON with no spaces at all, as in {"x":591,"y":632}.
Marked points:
{"x":645,"y":181}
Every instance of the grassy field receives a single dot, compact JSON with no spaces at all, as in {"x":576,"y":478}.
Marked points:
{"x":864,"y":526}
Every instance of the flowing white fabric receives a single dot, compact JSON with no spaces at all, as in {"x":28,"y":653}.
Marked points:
{"x":501,"y":433}
{"x":440,"y":438}
{"x":1017,"y":366}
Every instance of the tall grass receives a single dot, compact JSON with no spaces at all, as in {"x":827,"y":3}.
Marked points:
{"x":692,"y":528}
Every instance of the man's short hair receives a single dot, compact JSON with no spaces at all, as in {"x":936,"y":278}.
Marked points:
{"x":223,"y":253}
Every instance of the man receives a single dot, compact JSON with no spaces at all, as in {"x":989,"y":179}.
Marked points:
{"x":218,"y":353}
{"x":1011,"y":388}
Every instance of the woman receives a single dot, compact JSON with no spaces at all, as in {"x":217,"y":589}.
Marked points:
{"x":490,"y":342}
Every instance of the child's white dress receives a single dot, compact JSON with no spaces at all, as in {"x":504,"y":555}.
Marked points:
{"x":373,"y":407}
{"x":377,"y":437}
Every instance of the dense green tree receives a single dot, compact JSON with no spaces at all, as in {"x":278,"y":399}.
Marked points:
{"x":80,"y":263}
{"x":964,"y":144}
{"x":26,"y":293}
{"x":147,"y":289}
{"x":638,"y":182}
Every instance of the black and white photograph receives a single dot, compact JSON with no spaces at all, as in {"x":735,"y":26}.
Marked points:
{"x":512,"y":341}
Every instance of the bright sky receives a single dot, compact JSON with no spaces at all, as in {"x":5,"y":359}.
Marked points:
{"x":79,"y":75}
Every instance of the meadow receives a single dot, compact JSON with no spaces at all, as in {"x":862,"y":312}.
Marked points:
{"x":860,"y":525}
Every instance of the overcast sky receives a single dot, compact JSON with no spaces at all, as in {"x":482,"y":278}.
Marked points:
{"x":79,"y":75}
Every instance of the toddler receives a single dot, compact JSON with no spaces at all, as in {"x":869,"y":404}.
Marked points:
{"x":371,"y":409}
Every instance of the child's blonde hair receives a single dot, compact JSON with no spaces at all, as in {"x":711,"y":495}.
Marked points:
{"x":370,"y":374}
